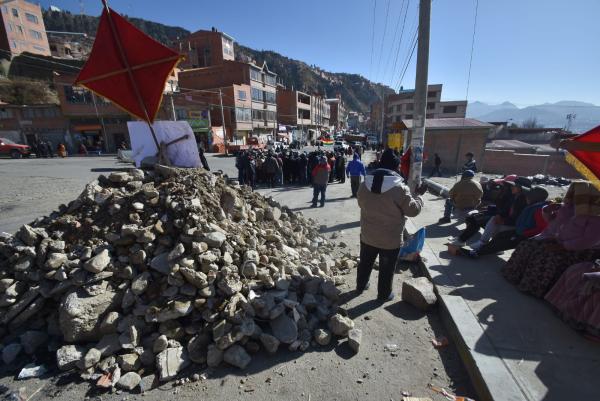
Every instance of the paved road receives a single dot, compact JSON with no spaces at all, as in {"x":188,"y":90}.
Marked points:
{"x":35,"y":187}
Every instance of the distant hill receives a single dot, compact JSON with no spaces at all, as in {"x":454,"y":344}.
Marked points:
{"x":548,"y":114}
{"x":357,"y":92}
{"x":64,"y":21}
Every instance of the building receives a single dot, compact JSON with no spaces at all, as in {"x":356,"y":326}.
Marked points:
{"x":92,"y":120}
{"x":22,"y":29}
{"x":205,"y":49}
{"x":338,"y":113}
{"x":310,"y":114}
{"x":451,"y":139}
{"x":356,"y":121}
{"x":34,"y":123}
{"x":400,"y":106}
{"x":65,"y":46}
{"x":213,"y":67}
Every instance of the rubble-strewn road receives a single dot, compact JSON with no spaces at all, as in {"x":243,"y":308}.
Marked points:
{"x":331,"y":373}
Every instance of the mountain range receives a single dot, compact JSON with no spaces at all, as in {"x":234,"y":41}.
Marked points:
{"x":551,"y":115}
{"x":357,"y":92}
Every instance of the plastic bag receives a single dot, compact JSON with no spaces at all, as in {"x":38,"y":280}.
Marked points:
{"x":411,"y":249}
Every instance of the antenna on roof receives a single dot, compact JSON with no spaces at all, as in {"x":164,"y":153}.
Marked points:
{"x":81,"y":7}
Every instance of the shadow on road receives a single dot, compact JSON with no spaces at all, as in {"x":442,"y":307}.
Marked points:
{"x":342,"y":226}
{"x":109,"y":169}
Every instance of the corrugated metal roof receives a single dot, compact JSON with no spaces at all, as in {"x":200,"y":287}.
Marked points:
{"x":451,"y":123}
{"x":512,"y":144}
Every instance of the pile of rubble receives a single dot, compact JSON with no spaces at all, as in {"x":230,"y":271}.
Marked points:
{"x":154,"y":271}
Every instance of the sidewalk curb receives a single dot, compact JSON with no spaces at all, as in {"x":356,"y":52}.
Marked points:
{"x":491,"y":378}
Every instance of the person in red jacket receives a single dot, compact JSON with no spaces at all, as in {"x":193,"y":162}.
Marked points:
{"x":405,"y":164}
{"x":320,"y":178}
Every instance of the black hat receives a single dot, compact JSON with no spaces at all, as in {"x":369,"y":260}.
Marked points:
{"x":389,"y":160}
{"x":523,"y":182}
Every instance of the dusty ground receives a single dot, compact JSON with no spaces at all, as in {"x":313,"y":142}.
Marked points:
{"x":330,"y":373}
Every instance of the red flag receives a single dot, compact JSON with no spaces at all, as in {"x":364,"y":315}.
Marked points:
{"x":587,"y":163}
{"x":128,"y":67}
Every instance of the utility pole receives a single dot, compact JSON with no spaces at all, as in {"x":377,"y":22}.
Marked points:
{"x":223,"y":122}
{"x":417,"y":140}
{"x":173,"y":104}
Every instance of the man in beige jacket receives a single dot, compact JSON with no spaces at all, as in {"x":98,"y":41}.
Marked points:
{"x":385,"y":203}
{"x":463,"y":197}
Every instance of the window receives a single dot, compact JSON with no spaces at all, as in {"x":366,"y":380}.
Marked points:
{"x":11,"y":27}
{"x":409,"y":106}
{"x":5,"y":114}
{"x":53,"y":48}
{"x":271,"y":116}
{"x":243,"y":114}
{"x":270,"y":97}
{"x":397,"y":119}
{"x":242,"y":95}
{"x":258,"y":114}
{"x":450,"y":109}
{"x":35,"y":34}
{"x":181,"y":114}
{"x":14,"y":44}
{"x":40,"y":49}
{"x":78,"y":95}
{"x":227,"y":47}
{"x":398,"y":108}
{"x":270,"y":80}
{"x":31,"y":18}
{"x":432,"y":94}
{"x":255,"y":75}
{"x":20,"y":29}
{"x":257,"y":95}
{"x":15,"y":13}
{"x":430,"y":106}
{"x":408,"y":117}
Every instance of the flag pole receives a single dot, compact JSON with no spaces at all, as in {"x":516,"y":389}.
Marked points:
{"x":130,"y":73}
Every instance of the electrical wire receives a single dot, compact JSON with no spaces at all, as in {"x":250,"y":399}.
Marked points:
{"x":408,"y":60}
{"x":397,"y":52}
{"x":372,"y":38}
{"x":387,"y":14}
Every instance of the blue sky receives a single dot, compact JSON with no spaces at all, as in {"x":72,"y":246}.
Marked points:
{"x":526,"y":51}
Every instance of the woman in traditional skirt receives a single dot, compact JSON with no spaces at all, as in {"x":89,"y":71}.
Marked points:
{"x":572,"y":237}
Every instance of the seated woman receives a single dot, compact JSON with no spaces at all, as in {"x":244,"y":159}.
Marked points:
{"x":529,"y":223}
{"x":576,"y":297}
{"x":572,"y":237}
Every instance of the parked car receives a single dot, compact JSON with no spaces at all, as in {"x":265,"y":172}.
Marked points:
{"x":13,"y":149}
{"x":340,"y":145}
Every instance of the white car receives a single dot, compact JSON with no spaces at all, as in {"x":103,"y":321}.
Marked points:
{"x":340,"y":144}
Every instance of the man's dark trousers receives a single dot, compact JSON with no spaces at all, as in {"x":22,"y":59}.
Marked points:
{"x":387,"y":267}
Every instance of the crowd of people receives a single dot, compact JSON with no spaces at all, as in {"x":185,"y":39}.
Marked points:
{"x":278,"y":167}
{"x":556,"y":242}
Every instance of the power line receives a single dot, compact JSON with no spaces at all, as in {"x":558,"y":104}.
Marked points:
{"x":408,"y":61}
{"x":400,"y":41}
{"x":372,"y":39}
{"x":415,"y":28}
{"x":387,"y":63}
{"x":387,"y":13}
{"x":472,"y":49}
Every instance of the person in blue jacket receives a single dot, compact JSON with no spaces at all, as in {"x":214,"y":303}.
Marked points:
{"x":355,"y":170}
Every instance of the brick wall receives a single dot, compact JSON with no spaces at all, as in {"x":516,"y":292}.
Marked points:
{"x":510,"y":162}
{"x":452,"y":145}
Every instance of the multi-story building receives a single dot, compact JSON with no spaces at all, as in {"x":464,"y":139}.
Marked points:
{"x":205,"y":49}
{"x":22,"y":29}
{"x":338,"y":113}
{"x":400,"y":106}
{"x":220,"y":70}
{"x":308,"y":113}
{"x":34,"y":123}
{"x":65,"y":46}
{"x":92,"y":120}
